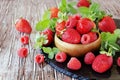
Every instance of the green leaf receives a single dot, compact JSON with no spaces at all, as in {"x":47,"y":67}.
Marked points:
{"x":94,"y":7}
{"x":40,"y":39}
{"x":107,"y":36}
{"x":55,"y":50}
{"x":63,"y":6}
{"x":47,"y":49}
{"x":50,"y":51}
{"x":109,"y":44}
{"x":72,"y":3}
{"x":71,"y":9}
{"x":62,"y":16}
{"x":51,"y":55}
{"x":52,"y":23}
{"x":46,"y":15}
{"x":114,"y":46}
{"x":117,"y":32}
{"x":84,"y":11}
{"x":93,"y":12}
{"x":41,"y":25}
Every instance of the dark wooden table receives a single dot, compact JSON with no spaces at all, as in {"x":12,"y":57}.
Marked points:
{"x":14,"y":68}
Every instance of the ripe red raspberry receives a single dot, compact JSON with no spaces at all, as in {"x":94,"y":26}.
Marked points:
{"x":85,"y":3}
{"x":93,"y":36}
{"x":24,"y":39}
{"x":102,"y":63}
{"x":22,"y":52}
{"x":60,"y":57}
{"x":85,"y":25}
{"x":22,"y":25}
{"x":85,"y":39}
{"x":89,"y":58}
{"x":72,"y":21}
{"x":89,"y":37}
{"x":107,"y":24}
{"x":71,"y":35}
{"x":54,"y":12}
{"x":118,"y":61}
{"x":39,"y":58}
{"x":74,"y":64}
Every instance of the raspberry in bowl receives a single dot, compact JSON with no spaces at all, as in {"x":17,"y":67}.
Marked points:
{"x":77,"y":50}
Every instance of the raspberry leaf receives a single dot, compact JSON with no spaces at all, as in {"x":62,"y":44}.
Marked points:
{"x":46,"y":15}
{"x":55,"y":50}
{"x":84,"y":11}
{"x":47,"y":50}
{"x":63,"y":6}
{"x":109,"y":43}
{"x":43,"y":24}
{"x":71,"y":9}
{"x":40,"y":39}
{"x":52,"y":23}
{"x":51,"y":55}
{"x":117,"y":32}
{"x":62,"y":16}
{"x":93,"y":12}
{"x":50,"y":51}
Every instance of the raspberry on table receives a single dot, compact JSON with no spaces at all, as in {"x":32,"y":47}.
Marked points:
{"x":60,"y":57}
{"x":74,"y":64}
{"x":39,"y":58}
{"x":89,"y":58}
{"x":24,"y":39}
{"x":22,"y":52}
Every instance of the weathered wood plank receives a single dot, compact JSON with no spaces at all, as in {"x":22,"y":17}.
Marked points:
{"x":11,"y":66}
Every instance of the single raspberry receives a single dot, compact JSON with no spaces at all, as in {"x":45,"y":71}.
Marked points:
{"x":85,"y":25}
{"x":102,"y":63}
{"x":24,"y":39}
{"x":118,"y":61}
{"x":22,"y":52}
{"x":22,"y":25}
{"x":72,"y":21}
{"x":85,"y":3}
{"x":93,"y":36}
{"x":89,"y":37}
{"x":39,"y":58}
{"x":71,"y":36}
{"x":60,"y":57}
{"x":54,"y":12}
{"x":107,"y":24}
{"x":74,"y":64}
{"x":85,"y":39}
{"x":89,"y":58}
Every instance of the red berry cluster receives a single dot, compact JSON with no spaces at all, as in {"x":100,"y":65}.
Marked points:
{"x":22,"y":25}
{"x":23,"y":52}
{"x":73,"y":64}
{"x":100,"y":63}
{"x":76,"y":30}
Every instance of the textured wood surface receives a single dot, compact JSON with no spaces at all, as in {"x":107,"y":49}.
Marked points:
{"x":11,"y":66}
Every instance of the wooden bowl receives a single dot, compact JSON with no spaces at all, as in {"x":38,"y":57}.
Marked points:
{"x":77,"y":50}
